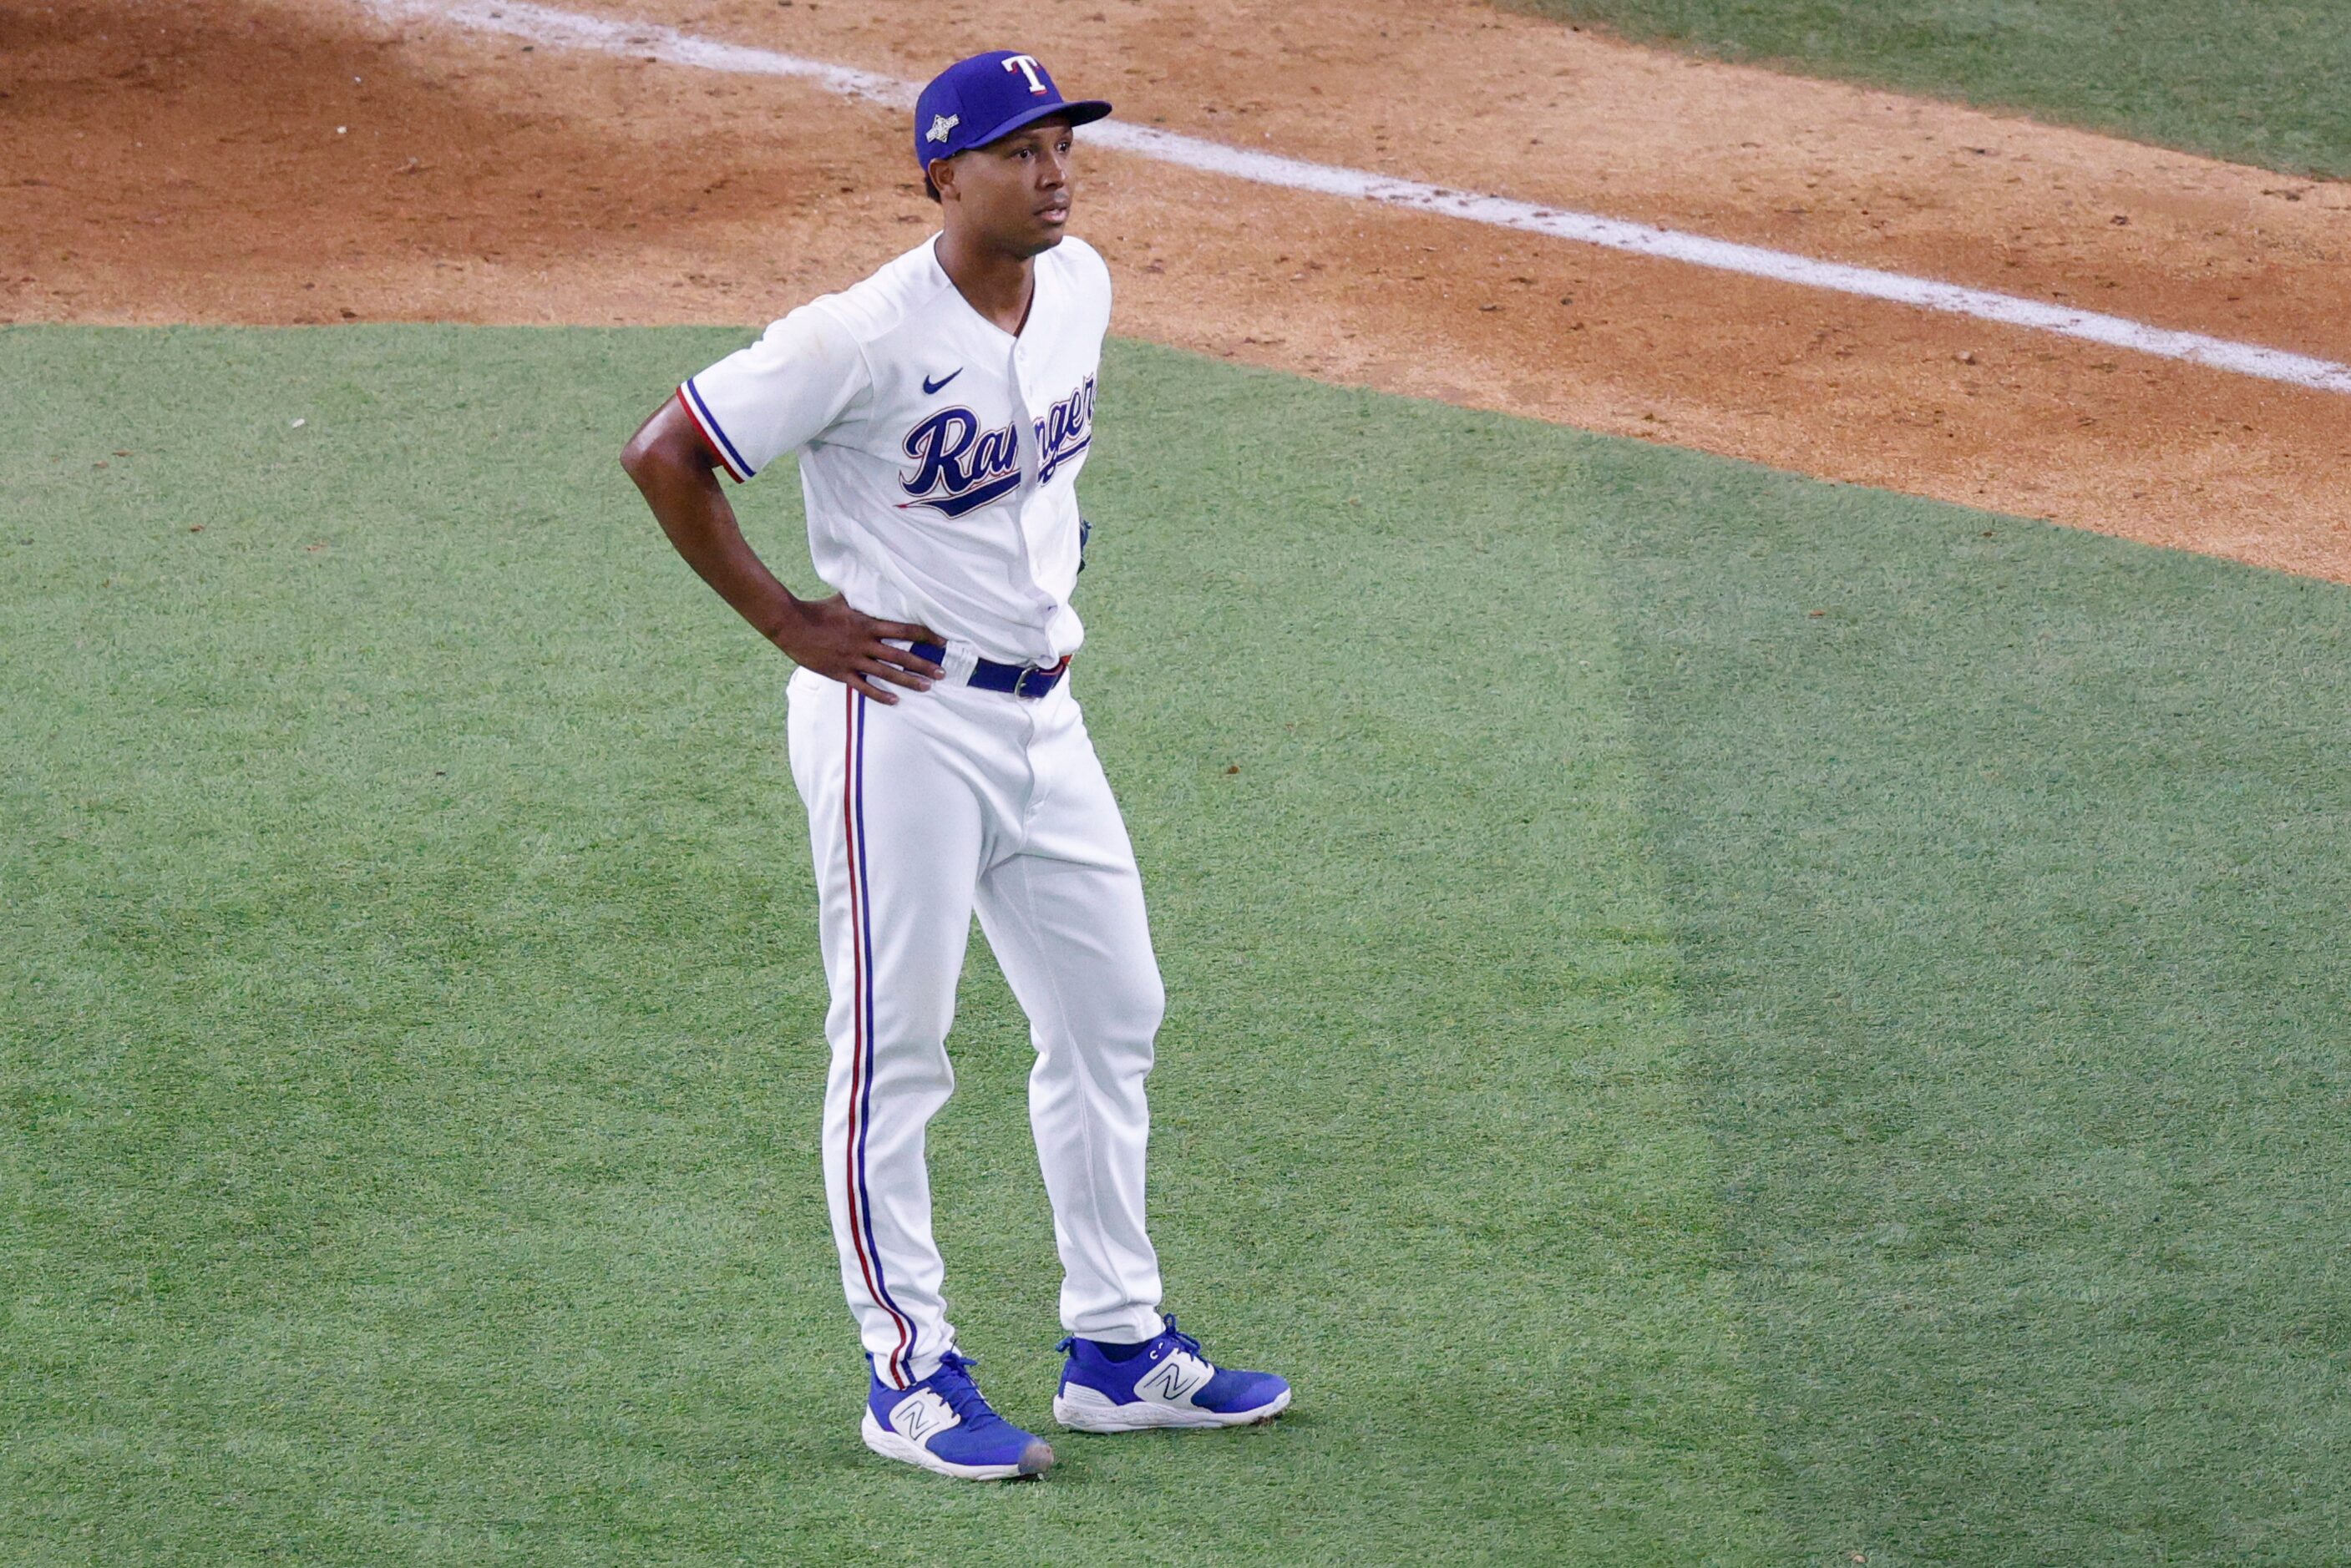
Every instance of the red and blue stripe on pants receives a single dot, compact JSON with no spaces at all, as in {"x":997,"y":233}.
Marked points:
{"x":898,"y":1369}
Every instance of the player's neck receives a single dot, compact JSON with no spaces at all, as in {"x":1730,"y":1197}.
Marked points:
{"x":994,"y":282}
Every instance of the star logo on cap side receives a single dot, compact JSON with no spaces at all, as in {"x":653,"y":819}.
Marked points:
{"x":940,"y":125}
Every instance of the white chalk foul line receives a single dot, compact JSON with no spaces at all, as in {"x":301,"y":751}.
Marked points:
{"x":543,"y":25}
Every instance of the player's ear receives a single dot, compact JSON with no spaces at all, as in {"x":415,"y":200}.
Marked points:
{"x":941,"y":177}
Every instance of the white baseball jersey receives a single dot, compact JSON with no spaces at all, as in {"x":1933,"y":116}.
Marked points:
{"x":939,"y":453}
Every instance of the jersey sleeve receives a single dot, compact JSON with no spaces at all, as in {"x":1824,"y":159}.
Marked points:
{"x":778,"y":394}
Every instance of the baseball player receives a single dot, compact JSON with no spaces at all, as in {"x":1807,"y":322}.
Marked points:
{"x":942,"y":410}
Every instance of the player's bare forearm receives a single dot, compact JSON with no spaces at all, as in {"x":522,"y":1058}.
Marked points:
{"x":672,"y":470}
{"x":684,"y":493}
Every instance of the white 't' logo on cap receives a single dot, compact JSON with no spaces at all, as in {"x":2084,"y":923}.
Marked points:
{"x":1027,"y":67}
{"x":940,"y":125}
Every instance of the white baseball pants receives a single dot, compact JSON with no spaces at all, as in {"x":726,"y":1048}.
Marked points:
{"x":953,"y":800}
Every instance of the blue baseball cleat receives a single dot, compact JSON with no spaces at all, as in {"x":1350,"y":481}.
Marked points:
{"x":944,"y":1424}
{"x":1163,"y":1382}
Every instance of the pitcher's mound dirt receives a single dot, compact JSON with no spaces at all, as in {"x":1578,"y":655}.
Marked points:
{"x":259,"y":161}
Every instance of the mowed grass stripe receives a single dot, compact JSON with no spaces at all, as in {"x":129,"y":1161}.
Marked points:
{"x":413,"y":1046}
{"x":2010,"y":866}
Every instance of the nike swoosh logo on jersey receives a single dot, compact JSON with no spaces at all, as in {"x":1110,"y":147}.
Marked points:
{"x":930,"y":386}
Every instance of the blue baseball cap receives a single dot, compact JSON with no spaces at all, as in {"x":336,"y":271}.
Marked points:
{"x":974,"y":101}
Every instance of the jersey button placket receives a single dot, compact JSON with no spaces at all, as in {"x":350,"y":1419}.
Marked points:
{"x":1024,"y":436}
{"x":1024,"y":427}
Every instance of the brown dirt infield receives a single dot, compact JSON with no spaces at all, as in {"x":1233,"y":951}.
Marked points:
{"x":265,"y":160}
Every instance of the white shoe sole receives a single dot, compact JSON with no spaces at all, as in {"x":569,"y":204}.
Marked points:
{"x":891,"y":1445}
{"x":1083,"y":1409}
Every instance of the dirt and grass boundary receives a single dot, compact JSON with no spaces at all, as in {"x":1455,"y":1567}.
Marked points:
{"x":260,"y":160}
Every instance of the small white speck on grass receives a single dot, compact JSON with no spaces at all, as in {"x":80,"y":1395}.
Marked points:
{"x":298,"y":424}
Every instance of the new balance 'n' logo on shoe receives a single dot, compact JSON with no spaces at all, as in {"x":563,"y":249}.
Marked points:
{"x":1174,"y":1378}
{"x":944,"y":1424}
{"x":919,"y":1415}
{"x":1166,"y":1382}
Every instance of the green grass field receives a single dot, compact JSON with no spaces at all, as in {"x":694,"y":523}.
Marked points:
{"x":1720,"y":1019}
{"x":2255,"y":81}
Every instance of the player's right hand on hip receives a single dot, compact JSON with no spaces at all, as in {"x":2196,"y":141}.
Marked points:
{"x":845,"y":645}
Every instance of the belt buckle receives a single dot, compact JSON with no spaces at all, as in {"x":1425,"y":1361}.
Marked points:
{"x":1045,"y":676}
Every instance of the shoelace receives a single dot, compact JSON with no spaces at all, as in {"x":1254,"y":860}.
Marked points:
{"x":1183,"y":1341}
{"x":952,"y":1384}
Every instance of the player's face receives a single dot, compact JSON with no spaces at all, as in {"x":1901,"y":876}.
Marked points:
{"x":1015,"y":191}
